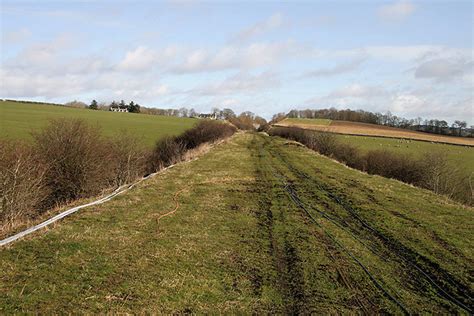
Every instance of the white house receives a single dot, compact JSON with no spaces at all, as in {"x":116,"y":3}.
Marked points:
{"x":118,"y":108}
{"x":212,"y":116}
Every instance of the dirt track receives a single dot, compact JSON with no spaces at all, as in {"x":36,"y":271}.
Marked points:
{"x":421,"y":274}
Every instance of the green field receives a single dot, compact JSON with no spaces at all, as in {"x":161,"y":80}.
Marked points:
{"x":324,"y":122}
{"x":18,"y":120}
{"x":262,"y":226}
{"x":459,"y":156}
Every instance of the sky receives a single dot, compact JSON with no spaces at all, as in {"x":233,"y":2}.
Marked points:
{"x":413,"y":58}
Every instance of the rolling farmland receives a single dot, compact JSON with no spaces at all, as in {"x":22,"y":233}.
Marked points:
{"x":258,"y":225}
{"x":18,"y":120}
{"x":458,"y":156}
{"x":363,"y":129}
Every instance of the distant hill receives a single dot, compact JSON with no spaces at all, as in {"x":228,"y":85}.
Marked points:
{"x":19,"y":119}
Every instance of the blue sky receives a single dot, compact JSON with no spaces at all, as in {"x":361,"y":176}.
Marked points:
{"x":413,"y":58}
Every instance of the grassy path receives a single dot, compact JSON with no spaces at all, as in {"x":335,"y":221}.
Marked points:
{"x":235,"y":241}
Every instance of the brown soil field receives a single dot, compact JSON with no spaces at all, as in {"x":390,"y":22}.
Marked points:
{"x":356,"y":128}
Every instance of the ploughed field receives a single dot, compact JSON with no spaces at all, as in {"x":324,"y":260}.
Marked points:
{"x":258,"y":224}
{"x":364,"y":129}
{"x":18,"y":120}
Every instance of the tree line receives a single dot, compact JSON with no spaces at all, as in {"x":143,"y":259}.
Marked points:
{"x":435,"y":126}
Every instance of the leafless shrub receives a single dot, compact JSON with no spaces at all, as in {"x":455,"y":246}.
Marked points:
{"x":170,"y":150}
{"x":76,"y":157}
{"x":22,"y":185}
{"x":127,"y":158}
{"x":396,"y":166}
{"x":205,"y":131}
{"x":442,"y":178}
{"x":349,"y":155}
{"x":324,"y":143}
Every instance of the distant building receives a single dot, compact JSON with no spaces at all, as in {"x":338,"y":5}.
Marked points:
{"x":212,"y":116}
{"x":118,"y":108}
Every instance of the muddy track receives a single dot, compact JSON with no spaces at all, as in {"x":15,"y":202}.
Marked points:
{"x":418,"y":266}
{"x":287,"y":264}
{"x":331,"y":246}
{"x":294,"y":196}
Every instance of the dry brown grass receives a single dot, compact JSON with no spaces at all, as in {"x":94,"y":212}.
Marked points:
{"x":364,"y":129}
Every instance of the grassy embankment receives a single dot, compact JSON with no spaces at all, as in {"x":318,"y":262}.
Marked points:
{"x":18,"y":120}
{"x":262,"y":225}
{"x":458,"y":156}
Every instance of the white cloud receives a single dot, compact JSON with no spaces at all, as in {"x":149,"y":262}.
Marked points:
{"x":357,"y":91}
{"x":239,"y":83}
{"x":15,"y":37}
{"x":273,"y":22}
{"x":444,"y":69}
{"x":138,"y":59}
{"x":338,"y":69}
{"x":144,"y":58}
{"x":396,"y":11}
{"x":406,"y":103}
{"x":237,"y":57}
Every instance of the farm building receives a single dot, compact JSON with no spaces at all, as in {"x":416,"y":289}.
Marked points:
{"x":211,"y":116}
{"x":118,"y":108}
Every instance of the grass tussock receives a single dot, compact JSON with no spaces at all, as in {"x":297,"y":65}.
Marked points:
{"x":432,"y":171}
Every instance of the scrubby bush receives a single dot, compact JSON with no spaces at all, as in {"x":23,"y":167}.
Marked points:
{"x":442,"y":177}
{"x":76,"y":157}
{"x":170,"y":150}
{"x":349,"y":155}
{"x":396,"y":166}
{"x":127,"y":159}
{"x":22,"y":185}
{"x":69,"y":159}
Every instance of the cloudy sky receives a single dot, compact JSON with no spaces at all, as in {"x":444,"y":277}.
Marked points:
{"x":411,"y":58}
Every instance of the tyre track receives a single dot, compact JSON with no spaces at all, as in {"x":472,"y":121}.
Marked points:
{"x":297,"y":201}
{"x":456,"y":292}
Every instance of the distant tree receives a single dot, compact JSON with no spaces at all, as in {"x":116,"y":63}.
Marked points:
{"x":76,"y":104}
{"x":227,"y":113}
{"x":133,"y":107}
{"x":192,"y":113}
{"x":94,"y":105}
{"x":183,"y":112}
{"x":461,"y":125}
{"x":122,"y":103}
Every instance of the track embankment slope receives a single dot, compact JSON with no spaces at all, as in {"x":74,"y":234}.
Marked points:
{"x":262,"y":225}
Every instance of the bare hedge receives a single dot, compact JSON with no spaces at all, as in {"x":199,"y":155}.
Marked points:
{"x":22,"y":180}
{"x":76,"y":157}
{"x":69,"y":159}
{"x":430,"y":172}
{"x":170,"y":150}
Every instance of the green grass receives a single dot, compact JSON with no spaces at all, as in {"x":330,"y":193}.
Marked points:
{"x":239,"y":243}
{"x":324,"y":122}
{"x":459,"y":156}
{"x":18,"y":120}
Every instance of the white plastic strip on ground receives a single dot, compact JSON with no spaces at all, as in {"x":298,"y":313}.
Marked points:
{"x":119,"y":190}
